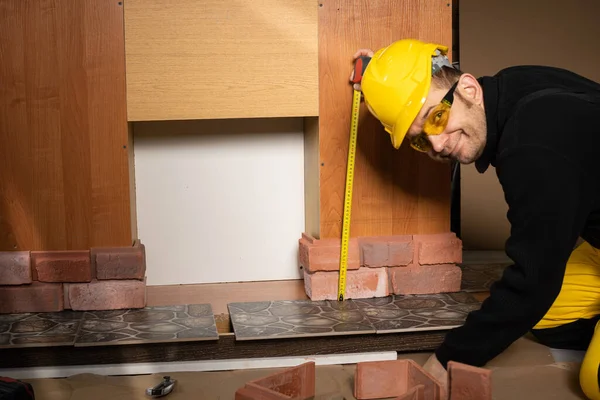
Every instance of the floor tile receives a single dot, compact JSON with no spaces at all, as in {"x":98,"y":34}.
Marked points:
{"x":297,"y":318}
{"x":479,"y":277}
{"x":39,"y":329}
{"x":180,"y":323}
{"x":408,"y":313}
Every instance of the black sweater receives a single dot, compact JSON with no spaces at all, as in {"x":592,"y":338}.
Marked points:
{"x":546,"y":154}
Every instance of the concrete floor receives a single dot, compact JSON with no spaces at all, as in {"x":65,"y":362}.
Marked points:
{"x":527,"y":370}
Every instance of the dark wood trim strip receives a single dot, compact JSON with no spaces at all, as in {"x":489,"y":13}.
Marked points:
{"x":225,"y":348}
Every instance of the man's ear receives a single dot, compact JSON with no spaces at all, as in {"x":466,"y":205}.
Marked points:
{"x":469,"y":87}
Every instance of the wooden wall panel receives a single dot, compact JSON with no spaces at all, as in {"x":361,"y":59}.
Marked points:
{"x":395,"y":191}
{"x":210,"y":59}
{"x":64,"y":171}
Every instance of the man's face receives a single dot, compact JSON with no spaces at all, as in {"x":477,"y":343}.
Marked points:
{"x":464,"y":137}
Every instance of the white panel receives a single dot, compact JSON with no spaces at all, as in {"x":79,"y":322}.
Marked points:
{"x":220,"y":201}
{"x":195,"y":366}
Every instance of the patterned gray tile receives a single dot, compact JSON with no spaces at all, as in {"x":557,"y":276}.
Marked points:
{"x":297,"y":318}
{"x":409,"y":313}
{"x":192,"y":322}
{"x":480,"y":277}
{"x":39,"y":329}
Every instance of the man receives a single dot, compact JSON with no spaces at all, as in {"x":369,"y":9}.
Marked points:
{"x":540,"y":128}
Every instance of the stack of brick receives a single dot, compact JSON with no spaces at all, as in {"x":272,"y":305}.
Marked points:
{"x":81,"y":280}
{"x":382,"y":265}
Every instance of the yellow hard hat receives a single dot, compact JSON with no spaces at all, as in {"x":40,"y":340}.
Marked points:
{"x":396,"y":83}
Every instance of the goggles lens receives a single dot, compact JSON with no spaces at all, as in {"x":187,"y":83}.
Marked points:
{"x":436,"y":122}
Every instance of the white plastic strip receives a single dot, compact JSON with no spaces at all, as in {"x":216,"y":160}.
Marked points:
{"x":193,"y":366}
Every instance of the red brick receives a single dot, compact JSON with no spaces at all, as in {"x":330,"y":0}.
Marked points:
{"x":394,"y":378}
{"x":297,"y":383}
{"x":107,"y":295}
{"x":67,"y":303}
{"x":324,"y":255}
{"x":360,"y":284}
{"x":36,"y":297}
{"x":440,"y":248}
{"x":15,"y":268}
{"x":432,"y":390}
{"x":119,"y":262}
{"x":467,"y":382}
{"x":251,"y":392}
{"x":426,"y":279}
{"x":380,"y":379}
{"x":416,"y":393}
{"x":386,"y":251}
{"x":61,"y":266}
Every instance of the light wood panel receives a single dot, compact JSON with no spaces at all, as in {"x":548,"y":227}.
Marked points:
{"x":64,"y":174}
{"x":395,"y":191}
{"x":212,"y":59}
{"x":221,"y":294}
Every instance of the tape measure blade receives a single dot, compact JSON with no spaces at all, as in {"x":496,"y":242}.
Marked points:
{"x":348,"y":195}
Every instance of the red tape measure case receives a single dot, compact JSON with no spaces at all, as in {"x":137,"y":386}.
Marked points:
{"x":13,"y":389}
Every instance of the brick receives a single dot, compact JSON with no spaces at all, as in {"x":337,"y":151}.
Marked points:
{"x":426,"y":279}
{"x":380,"y":379}
{"x":440,"y":248}
{"x":107,"y":295}
{"x":15,"y":268}
{"x":467,"y":382}
{"x":386,"y":251}
{"x":394,"y":378}
{"x":36,"y":297}
{"x":297,"y":383}
{"x":61,"y":266}
{"x":360,"y":284}
{"x":432,"y":390}
{"x":416,"y":393}
{"x":256,"y":393}
{"x":67,"y":302}
{"x":324,"y":254}
{"x":119,"y":262}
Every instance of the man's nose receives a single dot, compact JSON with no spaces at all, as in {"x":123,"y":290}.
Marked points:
{"x":437,"y":142}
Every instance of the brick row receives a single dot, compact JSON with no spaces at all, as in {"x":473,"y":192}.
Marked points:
{"x":73,"y":266}
{"x":380,"y":251}
{"x":83,"y":280}
{"x":54,"y":297}
{"x":382,"y":265}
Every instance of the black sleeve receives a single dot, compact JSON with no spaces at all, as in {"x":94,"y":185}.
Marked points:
{"x":548,"y":207}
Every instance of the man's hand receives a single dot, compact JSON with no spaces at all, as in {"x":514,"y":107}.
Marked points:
{"x":433,"y":367}
{"x":361,"y":52}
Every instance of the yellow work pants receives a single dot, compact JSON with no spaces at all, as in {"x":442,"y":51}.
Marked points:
{"x":580,"y":293}
{"x":579,"y":298}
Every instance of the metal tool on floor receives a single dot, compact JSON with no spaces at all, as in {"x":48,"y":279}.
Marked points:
{"x":163,"y":388}
{"x":359,"y":68}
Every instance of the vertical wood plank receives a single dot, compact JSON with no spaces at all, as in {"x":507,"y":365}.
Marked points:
{"x":395,"y":191}
{"x":75,"y":124}
{"x":64,"y":176}
{"x":107,"y":115}
{"x":16,"y":161}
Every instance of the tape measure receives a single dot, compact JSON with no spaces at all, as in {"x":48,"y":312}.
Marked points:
{"x":348,"y":195}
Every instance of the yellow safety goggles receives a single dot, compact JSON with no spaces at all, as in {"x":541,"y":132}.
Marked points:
{"x":435,"y":123}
